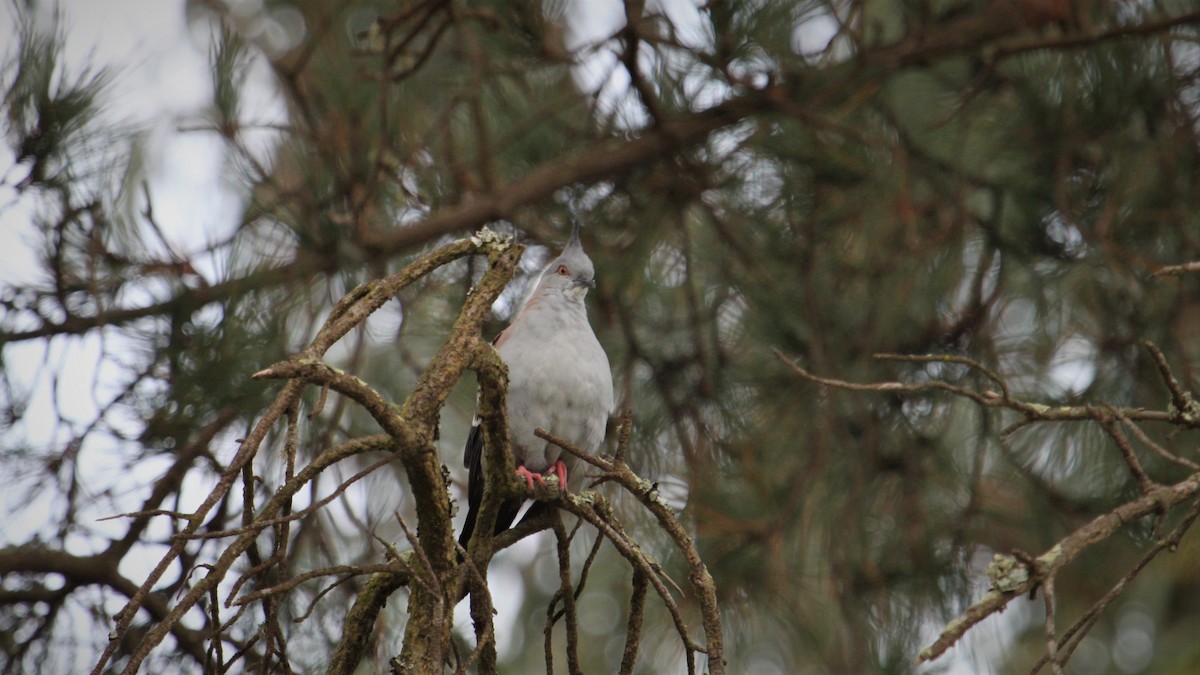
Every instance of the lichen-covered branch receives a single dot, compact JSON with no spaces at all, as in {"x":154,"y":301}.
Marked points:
{"x":409,"y":431}
{"x":1058,"y":556}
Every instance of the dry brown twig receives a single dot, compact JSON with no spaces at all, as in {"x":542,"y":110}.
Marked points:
{"x":565,"y":594}
{"x":1177,"y":270}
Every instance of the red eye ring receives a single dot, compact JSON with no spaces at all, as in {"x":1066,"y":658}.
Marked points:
{"x":562,"y":270}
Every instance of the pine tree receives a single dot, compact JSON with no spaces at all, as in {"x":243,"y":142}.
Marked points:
{"x":898,"y":297}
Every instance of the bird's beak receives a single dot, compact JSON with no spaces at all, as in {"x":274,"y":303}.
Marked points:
{"x":590,"y":283}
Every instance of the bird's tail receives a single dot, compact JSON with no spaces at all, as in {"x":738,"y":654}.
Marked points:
{"x":504,"y":519}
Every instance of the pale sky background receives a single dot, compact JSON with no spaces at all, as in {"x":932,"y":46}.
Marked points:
{"x":162,"y":85}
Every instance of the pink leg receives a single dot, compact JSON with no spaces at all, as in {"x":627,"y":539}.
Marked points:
{"x":530,"y":476}
{"x":559,"y":469}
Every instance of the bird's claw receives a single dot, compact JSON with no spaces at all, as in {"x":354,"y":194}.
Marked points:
{"x":559,"y":469}
{"x":530,"y":477}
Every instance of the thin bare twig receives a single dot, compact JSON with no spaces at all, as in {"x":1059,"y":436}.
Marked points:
{"x":1106,"y":418}
{"x":1074,"y":636}
{"x":1050,"y":599}
{"x":948,"y":358}
{"x":1031,"y":411}
{"x":566,"y":595}
{"x":380,"y":440}
{"x":587,"y":564}
{"x":1184,"y":406}
{"x":146,"y":514}
{"x":1155,"y":447}
{"x":588,"y":510}
{"x":292,"y":582}
{"x":1176,"y":270}
{"x":701,"y":581}
{"x":633,"y":627}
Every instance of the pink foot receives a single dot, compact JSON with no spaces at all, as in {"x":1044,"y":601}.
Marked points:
{"x":530,"y":476}
{"x":559,"y":469}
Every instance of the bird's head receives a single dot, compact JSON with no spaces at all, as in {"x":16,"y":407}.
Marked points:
{"x":571,"y":273}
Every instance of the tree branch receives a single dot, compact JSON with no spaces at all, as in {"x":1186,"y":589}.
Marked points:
{"x":647,"y":493}
{"x":1062,"y":553}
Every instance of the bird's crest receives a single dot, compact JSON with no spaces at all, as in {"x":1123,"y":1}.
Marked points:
{"x":573,"y":254}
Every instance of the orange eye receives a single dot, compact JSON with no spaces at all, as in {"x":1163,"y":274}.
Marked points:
{"x":562,"y":269}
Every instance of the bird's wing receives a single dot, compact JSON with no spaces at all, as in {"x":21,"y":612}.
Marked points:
{"x":475,"y":479}
{"x":474,"y":460}
{"x":473,"y":452}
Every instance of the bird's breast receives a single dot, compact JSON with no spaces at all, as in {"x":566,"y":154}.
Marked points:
{"x":561,"y":383}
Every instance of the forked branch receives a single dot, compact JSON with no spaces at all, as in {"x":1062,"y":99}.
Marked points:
{"x":646,"y":492}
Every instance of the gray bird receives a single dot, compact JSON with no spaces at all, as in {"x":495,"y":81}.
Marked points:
{"x":558,"y":380}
